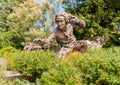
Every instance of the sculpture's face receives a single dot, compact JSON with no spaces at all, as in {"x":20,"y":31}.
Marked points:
{"x":60,"y":21}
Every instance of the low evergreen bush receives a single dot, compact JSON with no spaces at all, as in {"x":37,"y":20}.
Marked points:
{"x":96,"y":67}
{"x":100,"y":67}
{"x":32,"y":64}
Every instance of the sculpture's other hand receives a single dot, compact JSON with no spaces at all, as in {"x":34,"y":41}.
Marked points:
{"x":37,"y":40}
{"x":40,"y":41}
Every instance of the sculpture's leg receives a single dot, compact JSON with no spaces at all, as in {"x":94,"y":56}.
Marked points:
{"x":81,"y":47}
{"x":63,"y":52}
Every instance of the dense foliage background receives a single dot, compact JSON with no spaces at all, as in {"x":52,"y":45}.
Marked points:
{"x":102,"y":17}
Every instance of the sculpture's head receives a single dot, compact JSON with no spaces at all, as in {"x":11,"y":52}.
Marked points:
{"x":61,"y":20}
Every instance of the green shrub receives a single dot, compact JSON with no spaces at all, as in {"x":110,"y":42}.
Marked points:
{"x":11,"y":38}
{"x":96,"y":67}
{"x":100,"y":67}
{"x":61,"y":74}
{"x":32,"y":64}
{"x":7,"y":51}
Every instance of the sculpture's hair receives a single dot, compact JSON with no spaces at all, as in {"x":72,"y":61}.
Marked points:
{"x":65,"y":15}
{"x":72,"y":19}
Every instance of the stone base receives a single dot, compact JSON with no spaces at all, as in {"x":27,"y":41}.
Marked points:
{"x":10,"y":74}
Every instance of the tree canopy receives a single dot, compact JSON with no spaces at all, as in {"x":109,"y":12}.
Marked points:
{"x":19,"y":17}
{"x":101,"y":16}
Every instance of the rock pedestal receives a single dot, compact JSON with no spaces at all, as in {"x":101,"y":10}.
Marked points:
{"x":10,"y":74}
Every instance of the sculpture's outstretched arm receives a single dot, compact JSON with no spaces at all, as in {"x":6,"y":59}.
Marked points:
{"x":48,"y":40}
